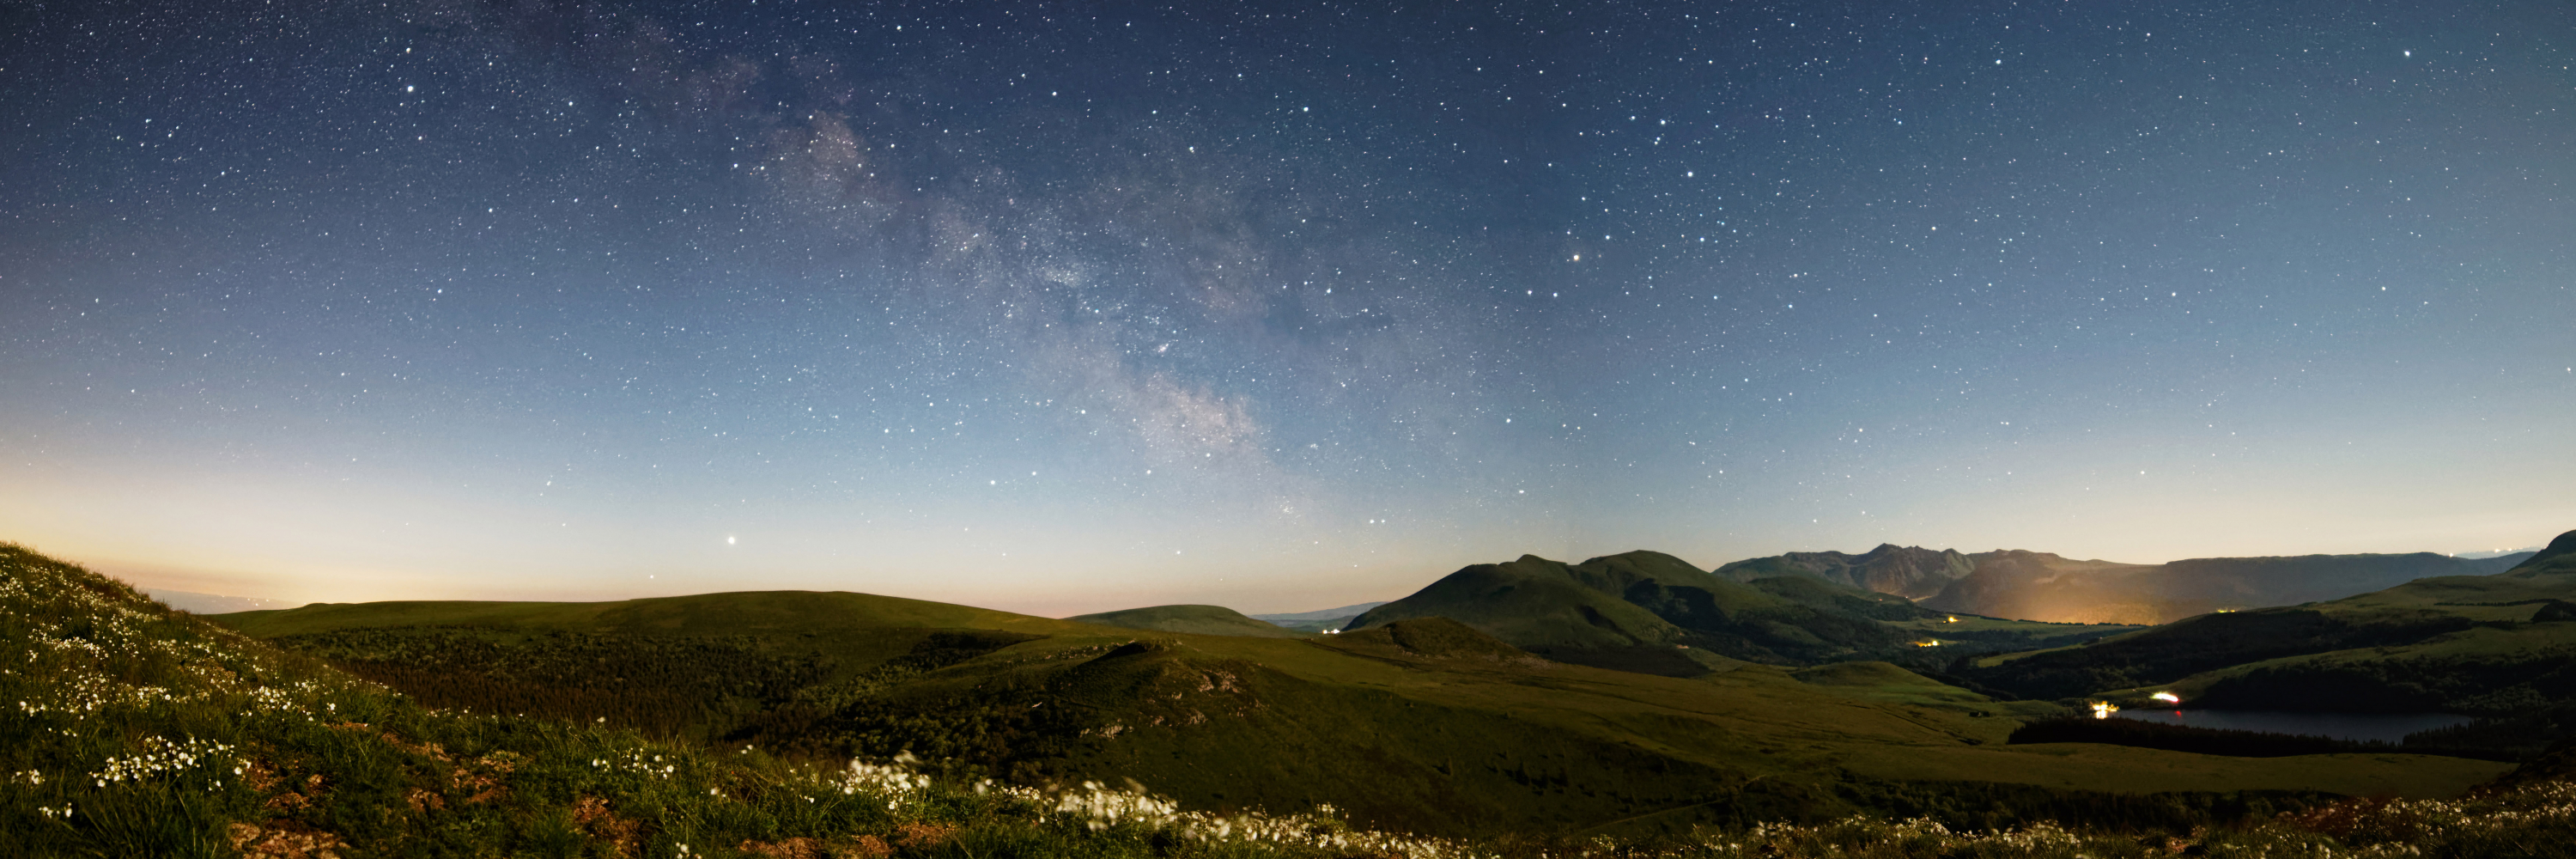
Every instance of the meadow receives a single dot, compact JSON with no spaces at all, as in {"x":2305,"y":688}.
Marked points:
{"x":139,"y":731}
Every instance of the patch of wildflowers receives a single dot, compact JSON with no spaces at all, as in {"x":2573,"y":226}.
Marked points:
{"x":161,"y":757}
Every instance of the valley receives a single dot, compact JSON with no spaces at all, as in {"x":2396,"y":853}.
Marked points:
{"x":1632,"y":696}
{"x":1629,"y":694}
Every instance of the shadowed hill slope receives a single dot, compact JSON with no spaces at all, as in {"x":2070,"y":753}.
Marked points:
{"x":741,"y":611}
{"x":137,"y":730}
{"x":2559,"y":557}
{"x":1199,"y":619}
{"x":1537,"y":605}
{"x":1434,"y":638}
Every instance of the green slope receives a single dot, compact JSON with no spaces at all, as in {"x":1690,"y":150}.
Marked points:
{"x":136,"y":730}
{"x":1418,"y":724}
{"x":1533,"y":602}
{"x":1200,"y":619}
{"x":1653,"y":578}
{"x":1431,"y":729}
{"x":225,"y":746}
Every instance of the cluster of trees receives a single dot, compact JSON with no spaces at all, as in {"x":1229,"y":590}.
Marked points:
{"x":2517,"y":737}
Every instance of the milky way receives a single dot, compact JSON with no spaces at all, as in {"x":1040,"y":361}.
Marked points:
{"x":1065,"y":307}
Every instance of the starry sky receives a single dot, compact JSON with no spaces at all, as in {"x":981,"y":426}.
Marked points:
{"x":1062,"y":307}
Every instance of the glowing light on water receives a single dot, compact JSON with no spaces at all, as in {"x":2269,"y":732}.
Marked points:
{"x":2167,"y":697}
{"x":2104,"y":709}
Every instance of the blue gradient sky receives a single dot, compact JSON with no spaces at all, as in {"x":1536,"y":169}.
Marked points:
{"x":1070,"y":307}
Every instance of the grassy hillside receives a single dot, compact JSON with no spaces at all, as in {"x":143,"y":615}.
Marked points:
{"x":2558,"y":557}
{"x":698,"y":614}
{"x":1887,"y":683}
{"x":1449,"y":730}
{"x":1199,"y":619}
{"x":1538,"y":605}
{"x":142,"y":731}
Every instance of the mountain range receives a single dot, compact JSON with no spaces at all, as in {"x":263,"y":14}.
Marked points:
{"x":1655,"y":613}
{"x":2027,"y":585}
{"x":1912,"y":572}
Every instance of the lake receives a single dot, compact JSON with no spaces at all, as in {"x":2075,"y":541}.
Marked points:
{"x":2385,"y":727}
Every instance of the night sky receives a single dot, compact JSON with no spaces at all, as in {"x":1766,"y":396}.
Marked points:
{"x":1069,"y":307}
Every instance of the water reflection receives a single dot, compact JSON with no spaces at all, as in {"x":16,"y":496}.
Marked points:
{"x":2385,"y":727}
